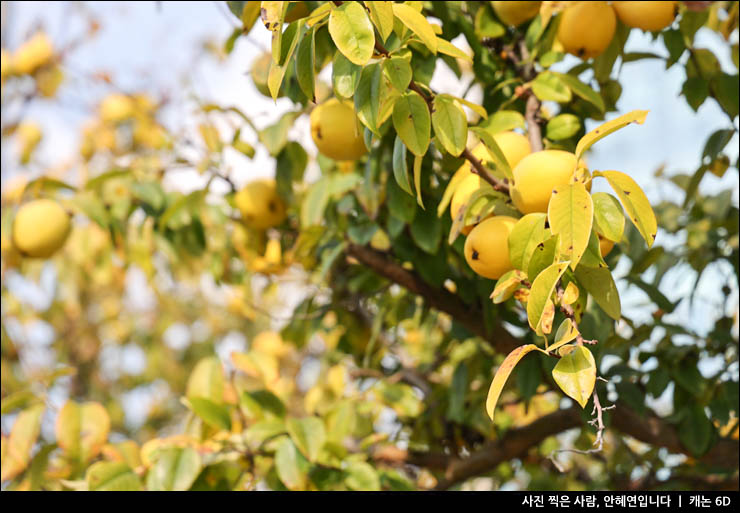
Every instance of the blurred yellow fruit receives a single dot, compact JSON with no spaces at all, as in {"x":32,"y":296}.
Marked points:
{"x":260,"y":205}
{"x":605,"y":246}
{"x":33,"y":54}
{"x":516,"y":13}
{"x":13,"y":188}
{"x":464,"y":191}
{"x":260,"y":71}
{"x":149,"y":134}
{"x":6,"y":64}
{"x":487,"y":247}
{"x":40,"y":228}
{"x":336,"y":130}
{"x":537,"y":175}
{"x":116,"y":107}
{"x":646,"y":15}
{"x":587,"y":28}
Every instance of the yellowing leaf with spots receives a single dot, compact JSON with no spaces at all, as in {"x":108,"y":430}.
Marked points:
{"x":507,"y":285}
{"x":548,"y":317}
{"x":273,"y":14}
{"x":588,"y":140}
{"x":17,"y":448}
{"x":528,"y":232}
{"x":635,"y":203}
{"x":571,"y":215}
{"x":542,"y":288}
{"x":575,"y":374}
{"x":502,"y":374}
{"x":567,"y":331}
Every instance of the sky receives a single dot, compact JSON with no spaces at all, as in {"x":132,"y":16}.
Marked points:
{"x":158,"y":47}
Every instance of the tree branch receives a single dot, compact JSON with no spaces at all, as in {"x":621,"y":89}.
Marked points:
{"x":442,"y":300}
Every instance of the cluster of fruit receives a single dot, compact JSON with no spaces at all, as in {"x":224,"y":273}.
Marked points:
{"x":587,"y":28}
{"x":37,"y":58}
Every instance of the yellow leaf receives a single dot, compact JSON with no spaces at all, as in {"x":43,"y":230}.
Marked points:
{"x":418,"y":25}
{"x":502,"y":374}
{"x":82,"y":429}
{"x":636,"y":116}
{"x":575,"y":374}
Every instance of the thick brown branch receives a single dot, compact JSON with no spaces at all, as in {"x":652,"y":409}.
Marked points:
{"x":534,"y":131}
{"x":440,"y":299}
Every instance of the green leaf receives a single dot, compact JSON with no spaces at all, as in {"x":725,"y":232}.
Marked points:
{"x":503,"y":373}
{"x":528,"y":232}
{"x":292,"y":467}
{"x":275,"y":136}
{"x":207,"y":380}
{"x":110,"y":476}
{"x":544,"y":255}
{"x":571,"y":214}
{"x":398,"y":71}
{"x":214,"y":414}
{"x":400,"y":165}
{"x":599,"y":283}
{"x":592,"y":256}
{"x":502,"y":121}
{"x":542,"y":288}
{"x":412,"y":122}
{"x":308,"y":434}
{"x":174,"y":470}
{"x":261,"y":403}
{"x":498,"y":157}
{"x":474,"y":107}
{"x":548,"y":86}
{"x":361,"y":476}
{"x":457,"y":392}
{"x":635,"y":203}
{"x":367,"y":96}
{"x":588,"y":140}
{"x":575,"y":374}
{"x":417,"y":180}
{"x":82,"y":429}
{"x":695,"y":431}
{"x":352,"y":32}
{"x":418,"y":25}
{"x":305,"y":64}
{"x":381,"y":14}
{"x":608,"y":216}
{"x":447,"y":48}
{"x":724,"y":87}
{"x":450,"y":124}
{"x":582,"y":90}
{"x":695,"y":90}
{"x":345,"y":75}
{"x":426,"y":230}
{"x":278,"y":67}
{"x":562,"y":127}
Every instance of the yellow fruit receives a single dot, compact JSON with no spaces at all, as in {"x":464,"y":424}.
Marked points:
{"x":33,"y":54}
{"x":40,"y":228}
{"x":537,"y":175}
{"x":260,"y":205}
{"x":6,"y":64}
{"x":587,"y":28}
{"x":260,"y":71}
{"x":13,"y":188}
{"x":296,"y":11}
{"x":516,"y":13}
{"x":605,"y":246}
{"x":487,"y":247}
{"x":116,"y":107}
{"x":336,"y":130}
{"x":651,"y":16}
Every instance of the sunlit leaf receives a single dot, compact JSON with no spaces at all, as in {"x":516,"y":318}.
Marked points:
{"x":588,"y":140}
{"x":502,"y":374}
{"x":575,"y":374}
{"x":570,"y":214}
{"x":638,"y":208}
{"x":352,"y":32}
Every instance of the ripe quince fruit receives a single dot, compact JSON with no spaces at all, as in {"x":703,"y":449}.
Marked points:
{"x":33,"y":54}
{"x":537,"y":175}
{"x":40,"y":228}
{"x":260,"y":205}
{"x":587,"y":28}
{"x":516,"y":13}
{"x":336,"y":130}
{"x":646,"y":15}
{"x":487,"y":247}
